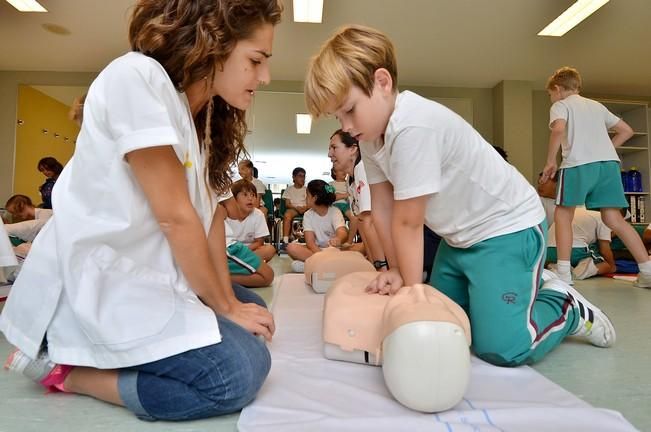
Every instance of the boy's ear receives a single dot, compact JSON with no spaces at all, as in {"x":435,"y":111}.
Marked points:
{"x":383,"y":80}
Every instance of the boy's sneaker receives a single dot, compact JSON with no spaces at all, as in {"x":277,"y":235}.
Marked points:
{"x":585,"y":269}
{"x":594,"y":325}
{"x":298,"y":266}
{"x":643,"y":281}
{"x":41,"y":370}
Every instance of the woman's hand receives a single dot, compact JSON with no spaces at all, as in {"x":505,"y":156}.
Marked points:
{"x":388,"y":282}
{"x":253,"y":318}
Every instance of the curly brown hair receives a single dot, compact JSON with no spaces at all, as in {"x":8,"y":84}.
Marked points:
{"x":190,"y":39}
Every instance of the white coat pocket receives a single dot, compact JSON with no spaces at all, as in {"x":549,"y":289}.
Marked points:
{"x":119,"y":300}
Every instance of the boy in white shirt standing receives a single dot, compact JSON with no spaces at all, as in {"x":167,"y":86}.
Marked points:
{"x":426,"y":165}
{"x":590,"y":172}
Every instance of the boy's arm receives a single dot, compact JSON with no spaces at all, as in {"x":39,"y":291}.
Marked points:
{"x":623,"y":133}
{"x":407,"y":233}
{"x":382,"y":213}
{"x":256,"y":243}
{"x":607,"y":253}
{"x":555,"y":138}
{"x":310,"y":242}
{"x":340,"y":237}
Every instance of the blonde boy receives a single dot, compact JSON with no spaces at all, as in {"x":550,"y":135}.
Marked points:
{"x":426,"y":165}
{"x":589,"y":173}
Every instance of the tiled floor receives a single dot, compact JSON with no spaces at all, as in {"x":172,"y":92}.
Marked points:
{"x":617,"y":378}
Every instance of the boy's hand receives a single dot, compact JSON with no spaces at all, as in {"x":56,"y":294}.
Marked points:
{"x":388,"y":282}
{"x":334,"y":242}
{"x":549,"y":172}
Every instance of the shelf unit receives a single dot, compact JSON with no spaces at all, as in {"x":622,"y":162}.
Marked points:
{"x":635,"y":152}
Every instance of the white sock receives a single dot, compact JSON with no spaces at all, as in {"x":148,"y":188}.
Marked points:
{"x":645,"y":267}
{"x":286,"y":239}
{"x":563,"y":267}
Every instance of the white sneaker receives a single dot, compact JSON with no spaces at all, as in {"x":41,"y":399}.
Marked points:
{"x":594,"y":325}
{"x":585,"y":269}
{"x":298,"y":266}
{"x":643,"y":281}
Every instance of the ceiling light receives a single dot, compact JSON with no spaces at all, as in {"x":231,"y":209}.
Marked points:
{"x":571,"y":17}
{"x":303,"y":123}
{"x":310,"y":11}
{"x":27,"y":5}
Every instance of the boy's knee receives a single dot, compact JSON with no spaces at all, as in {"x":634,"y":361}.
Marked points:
{"x":498,"y":353}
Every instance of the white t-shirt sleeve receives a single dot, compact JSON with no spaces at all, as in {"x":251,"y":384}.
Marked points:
{"x":136,"y":114}
{"x":610,"y":119}
{"x":557,"y":111}
{"x":308,"y":222}
{"x":415,"y":163}
{"x":603,"y":232}
{"x":260,"y":224}
{"x":362,"y":188}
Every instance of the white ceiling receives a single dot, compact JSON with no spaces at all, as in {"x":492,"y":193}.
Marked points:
{"x":451,"y":43}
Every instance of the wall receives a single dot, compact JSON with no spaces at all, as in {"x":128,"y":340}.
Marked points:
{"x":38,"y":111}
{"x":9,"y":82}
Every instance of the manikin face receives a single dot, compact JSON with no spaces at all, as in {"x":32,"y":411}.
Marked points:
{"x":246,"y":68}
{"x":342,"y":157}
{"x":246,"y":201}
{"x":364,"y":117}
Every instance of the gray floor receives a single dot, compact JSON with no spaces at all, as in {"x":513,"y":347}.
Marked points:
{"x":616,"y":378}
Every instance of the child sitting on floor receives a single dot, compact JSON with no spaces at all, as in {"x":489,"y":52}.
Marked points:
{"x":248,"y":224}
{"x":323,"y":224}
{"x":342,"y":202}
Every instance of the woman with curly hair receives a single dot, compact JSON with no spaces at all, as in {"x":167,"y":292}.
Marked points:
{"x":126,"y":294}
{"x":51,"y":169}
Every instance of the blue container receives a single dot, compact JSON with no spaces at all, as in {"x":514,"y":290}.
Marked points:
{"x":625,"y":183}
{"x":635,"y":180}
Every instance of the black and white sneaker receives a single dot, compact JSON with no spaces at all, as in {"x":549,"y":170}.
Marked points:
{"x":594,"y":325}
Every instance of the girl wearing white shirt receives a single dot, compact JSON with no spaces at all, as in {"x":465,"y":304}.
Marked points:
{"x":323,"y":224}
{"x":134,"y":302}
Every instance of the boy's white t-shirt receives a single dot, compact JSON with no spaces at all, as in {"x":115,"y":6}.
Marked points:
{"x":341,"y":187}
{"x":473,"y":193}
{"x":586,"y":138}
{"x":111,"y":294}
{"x":324,"y":227}
{"x":296,"y":196}
{"x":359,"y":192}
{"x":253,"y":226}
{"x":587,"y":228}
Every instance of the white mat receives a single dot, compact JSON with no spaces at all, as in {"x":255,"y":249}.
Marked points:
{"x":306,"y":392}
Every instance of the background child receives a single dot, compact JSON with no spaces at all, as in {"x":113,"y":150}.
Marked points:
{"x":427,"y":165}
{"x":248,"y":224}
{"x":21,"y":209}
{"x":590,"y":172}
{"x":323,"y":224}
{"x":295,"y":201}
{"x":342,"y":203}
{"x":245,"y":169}
{"x":51,"y":169}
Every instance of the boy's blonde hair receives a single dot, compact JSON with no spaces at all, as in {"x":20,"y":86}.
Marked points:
{"x":566,"y":77}
{"x":349,"y":58}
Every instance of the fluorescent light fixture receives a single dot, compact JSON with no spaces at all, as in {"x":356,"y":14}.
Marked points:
{"x":310,"y":11}
{"x":27,"y":5}
{"x":303,"y":123}
{"x":571,"y":17}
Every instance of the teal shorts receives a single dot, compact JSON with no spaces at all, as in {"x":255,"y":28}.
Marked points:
{"x":578,"y":254}
{"x":597,"y":185}
{"x":343,"y":206}
{"x":242,"y":260}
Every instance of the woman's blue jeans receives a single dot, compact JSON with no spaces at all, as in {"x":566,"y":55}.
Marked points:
{"x":205,"y":382}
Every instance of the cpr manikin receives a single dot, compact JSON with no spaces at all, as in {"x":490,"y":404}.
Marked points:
{"x":323,"y":268}
{"x":419,"y":336}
